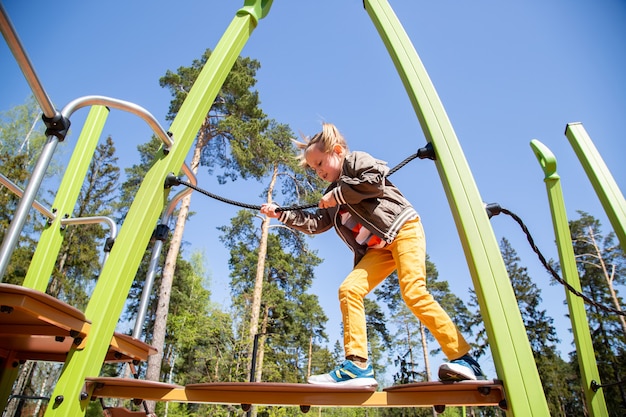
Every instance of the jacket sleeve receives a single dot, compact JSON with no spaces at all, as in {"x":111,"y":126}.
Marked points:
{"x":363,"y":177}
{"x":308,"y":222}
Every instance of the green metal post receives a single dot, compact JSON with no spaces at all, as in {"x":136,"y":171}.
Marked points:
{"x":596,"y":405}
{"x":107,"y":300}
{"x":45,"y":256}
{"x":603,"y":183}
{"x":9,"y":369}
{"x":44,"y":259}
{"x":511,"y":350}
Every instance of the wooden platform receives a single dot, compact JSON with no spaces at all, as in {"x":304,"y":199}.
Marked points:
{"x":37,"y":326}
{"x":27,"y":311}
{"x":425,"y":394}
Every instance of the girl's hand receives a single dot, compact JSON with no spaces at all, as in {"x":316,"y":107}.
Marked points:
{"x":328,"y":200}
{"x":270,"y":210}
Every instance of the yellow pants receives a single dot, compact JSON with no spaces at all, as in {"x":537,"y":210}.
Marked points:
{"x":407,"y":254}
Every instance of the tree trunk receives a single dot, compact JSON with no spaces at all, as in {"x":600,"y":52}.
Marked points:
{"x":425,"y":352}
{"x":258,"y":293}
{"x":24,"y":376}
{"x":260,"y":271}
{"x":261,"y":347}
{"x":609,"y":279}
{"x":308,"y":366}
{"x":153,"y":372}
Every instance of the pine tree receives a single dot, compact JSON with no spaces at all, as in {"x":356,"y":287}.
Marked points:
{"x":200,"y":342}
{"x":227,"y":138}
{"x":78,"y":264}
{"x":601,"y":268}
{"x":289,"y":317}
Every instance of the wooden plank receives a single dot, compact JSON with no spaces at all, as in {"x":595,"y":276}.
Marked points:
{"x":489,"y":392}
{"x":27,"y":307}
{"x":470,"y":393}
{"x":124,"y":348}
{"x":37,"y":326}
{"x":111,"y":387}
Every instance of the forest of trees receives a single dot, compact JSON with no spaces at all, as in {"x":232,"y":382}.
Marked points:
{"x":271,"y":272}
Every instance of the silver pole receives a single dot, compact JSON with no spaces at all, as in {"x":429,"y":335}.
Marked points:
{"x":19,"y":192}
{"x":12,"y":236}
{"x":21,"y":214}
{"x":154,"y":263}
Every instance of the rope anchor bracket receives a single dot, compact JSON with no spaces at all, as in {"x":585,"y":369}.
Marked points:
{"x":171,"y":180}
{"x":427,"y":152}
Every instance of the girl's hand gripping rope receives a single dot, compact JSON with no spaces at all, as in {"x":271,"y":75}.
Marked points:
{"x":328,"y":200}
{"x":270,"y":210}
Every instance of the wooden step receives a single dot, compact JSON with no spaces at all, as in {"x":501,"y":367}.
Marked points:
{"x":37,"y":326}
{"x":27,"y":311}
{"x":424,"y":394}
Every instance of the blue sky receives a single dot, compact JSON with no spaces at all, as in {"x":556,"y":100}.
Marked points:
{"x":506,"y":72}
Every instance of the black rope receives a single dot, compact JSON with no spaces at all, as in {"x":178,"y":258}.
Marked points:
{"x":425,"y":152}
{"x":494,"y":209}
{"x":171,"y":180}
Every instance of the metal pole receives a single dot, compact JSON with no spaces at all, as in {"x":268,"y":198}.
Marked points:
{"x":21,"y":214}
{"x":10,"y":35}
{"x":15,"y":189}
{"x":603,"y":182}
{"x":154,"y":262}
{"x":595,"y":401}
{"x":509,"y":343}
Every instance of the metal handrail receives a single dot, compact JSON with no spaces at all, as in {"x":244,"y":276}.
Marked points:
{"x":19,"y":192}
{"x":13,"y":41}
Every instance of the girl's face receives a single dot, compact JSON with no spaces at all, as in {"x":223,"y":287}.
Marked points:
{"x":327,"y":165}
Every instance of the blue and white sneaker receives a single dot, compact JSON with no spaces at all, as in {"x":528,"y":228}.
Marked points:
{"x":462,"y":369}
{"x":348,"y":374}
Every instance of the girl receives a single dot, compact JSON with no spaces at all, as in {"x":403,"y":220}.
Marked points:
{"x":385,"y":233}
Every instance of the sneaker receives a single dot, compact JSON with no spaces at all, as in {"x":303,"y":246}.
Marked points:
{"x":462,"y":369}
{"x":348,"y":374}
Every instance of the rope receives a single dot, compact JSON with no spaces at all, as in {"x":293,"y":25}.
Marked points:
{"x":425,"y":152}
{"x":552,"y":272}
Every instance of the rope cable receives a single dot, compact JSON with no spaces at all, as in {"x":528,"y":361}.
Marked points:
{"x":551,"y":270}
{"x":426,"y":152}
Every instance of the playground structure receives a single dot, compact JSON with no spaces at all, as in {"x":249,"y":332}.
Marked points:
{"x":86,"y":340}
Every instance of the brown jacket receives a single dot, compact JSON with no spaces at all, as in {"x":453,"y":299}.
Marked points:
{"x":363,"y":190}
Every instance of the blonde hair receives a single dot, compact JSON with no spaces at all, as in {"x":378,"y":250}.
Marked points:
{"x":326,"y":140}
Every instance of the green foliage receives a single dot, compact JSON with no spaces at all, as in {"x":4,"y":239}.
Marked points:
{"x":135,"y":175}
{"x":231,"y":137}
{"x":21,"y":134}
{"x":200,"y":340}
{"x":294,"y":318}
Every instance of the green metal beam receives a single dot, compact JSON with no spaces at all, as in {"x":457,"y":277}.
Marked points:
{"x":595,"y":401}
{"x":111,"y":291}
{"x":603,"y":182}
{"x":507,"y":336}
{"x":45,"y":256}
